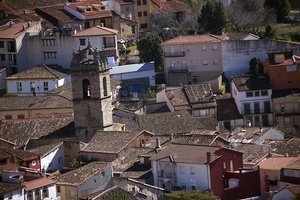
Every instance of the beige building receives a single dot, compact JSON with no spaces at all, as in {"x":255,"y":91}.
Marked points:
{"x":192,"y":59}
{"x":286,"y":108}
{"x":141,"y":9}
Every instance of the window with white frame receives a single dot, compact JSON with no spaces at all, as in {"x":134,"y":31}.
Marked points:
{"x":49,"y":55}
{"x":192,"y":170}
{"x":19,"y":86}
{"x":46,"y":87}
{"x":181,"y":170}
{"x":204,"y":48}
{"x":205,"y":62}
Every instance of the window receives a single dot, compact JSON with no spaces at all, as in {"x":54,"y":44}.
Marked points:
{"x":247,"y":108}
{"x":231,"y":165}
{"x":37,"y":195}
{"x":215,"y":61}
{"x":49,"y":55}
{"x":58,"y":188}
{"x":10,"y":57}
{"x":264,"y":93}
{"x":145,"y":14}
{"x":215,"y":47}
{"x":32,"y":86}
{"x":256,"y":107}
{"x":265,"y":120}
{"x":194,"y":187}
{"x":267,"y":106}
{"x":224,"y":165}
{"x":2,"y":57}
{"x":19,"y":86}
{"x":256,"y":93}
{"x":143,"y":26}
{"x":139,"y":14}
{"x":144,"y":2}
{"x":192,"y":170}
{"x":181,"y":170}
{"x":60,"y":160}
{"x":46,"y":88}
{"x":249,"y":94}
{"x":203,"y":48}
{"x":1,"y":44}
{"x":257,"y":120}
{"x":33,"y":163}
{"x":8,"y":117}
{"x":282,"y":109}
{"x":139,"y":2}
{"x":82,"y":42}
{"x":104,"y":86}
{"x":29,"y":196}
{"x":183,"y":187}
{"x":205,"y":63}
{"x":11,"y":46}
{"x":86,"y":89}
{"x":21,"y":116}
{"x":45,"y":192}
{"x":48,"y":42}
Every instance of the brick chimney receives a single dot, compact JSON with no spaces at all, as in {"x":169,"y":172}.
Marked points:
{"x":208,"y":156}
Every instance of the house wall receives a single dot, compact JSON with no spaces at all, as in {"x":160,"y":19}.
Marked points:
{"x":162,"y":97}
{"x":237,"y":54}
{"x":95,"y":156}
{"x":143,"y":19}
{"x":283,"y":76}
{"x":150,"y":74}
{"x":100,"y":181}
{"x":265,"y":175}
{"x":240,"y":99}
{"x":63,"y":81}
{"x":14,"y":195}
{"x":152,"y":192}
{"x":33,"y":164}
{"x":54,"y":160}
{"x":26,"y":89}
{"x":67,"y":192}
{"x":2,"y":82}
{"x":51,"y":191}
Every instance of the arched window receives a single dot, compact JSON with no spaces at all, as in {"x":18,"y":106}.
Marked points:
{"x":104,"y":86}
{"x":21,"y":116}
{"x":8,"y":117}
{"x":45,"y":192}
{"x":29,"y":196}
{"x":86,"y":89}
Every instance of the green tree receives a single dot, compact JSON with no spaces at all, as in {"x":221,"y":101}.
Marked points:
{"x":213,"y":17}
{"x":256,"y":67}
{"x":281,"y":7}
{"x":189,"y":195}
{"x":150,"y":50}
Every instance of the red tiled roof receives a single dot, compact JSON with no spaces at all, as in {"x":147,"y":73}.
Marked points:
{"x":172,"y":6}
{"x":36,"y":183}
{"x":277,"y":163}
{"x":96,"y":31}
{"x":14,"y":30}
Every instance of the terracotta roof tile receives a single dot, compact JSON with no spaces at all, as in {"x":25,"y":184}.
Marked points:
{"x":21,"y":154}
{"x":96,"y":31}
{"x":277,"y":163}
{"x":37,"y":183}
{"x":191,"y":39}
{"x":172,"y":6}
{"x":15,"y":30}
{"x":38,"y":72}
{"x":8,"y":187}
{"x":83,"y":173}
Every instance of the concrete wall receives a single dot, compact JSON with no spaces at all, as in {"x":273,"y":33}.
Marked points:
{"x":271,"y":134}
{"x":14,"y":195}
{"x":237,"y":54}
{"x":26,"y":89}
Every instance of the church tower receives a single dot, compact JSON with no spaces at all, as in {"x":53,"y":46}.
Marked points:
{"x":91,"y":93}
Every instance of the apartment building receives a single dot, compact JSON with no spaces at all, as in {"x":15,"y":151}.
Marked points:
{"x":192,"y":59}
{"x":252,"y":96}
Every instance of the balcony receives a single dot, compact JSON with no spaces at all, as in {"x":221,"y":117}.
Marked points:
{"x":175,"y":54}
{"x":255,"y":111}
{"x":181,"y":69}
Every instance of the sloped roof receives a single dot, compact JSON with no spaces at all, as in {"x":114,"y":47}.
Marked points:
{"x":113,"y":192}
{"x":171,"y":6}
{"x":8,"y":187}
{"x":22,"y":130}
{"x":277,"y":163}
{"x":110,"y":141}
{"x":82,"y":174}
{"x":21,"y":154}
{"x":15,"y":30}
{"x":227,"y":110}
{"x":96,"y":31}
{"x":179,"y":153}
{"x":34,"y":102}
{"x":45,"y":149}
{"x":290,"y":147}
{"x":38,"y":72}
{"x":37,"y":183}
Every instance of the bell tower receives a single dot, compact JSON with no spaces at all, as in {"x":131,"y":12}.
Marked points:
{"x":91,"y":93}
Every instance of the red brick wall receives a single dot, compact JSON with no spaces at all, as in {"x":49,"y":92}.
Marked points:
{"x":37,"y":165}
{"x":249,"y":185}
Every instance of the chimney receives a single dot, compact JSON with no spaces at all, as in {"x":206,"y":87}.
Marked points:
{"x":171,"y":137}
{"x":157,"y":143}
{"x":163,"y":86}
{"x":10,"y":24}
{"x":208,"y":156}
{"x":28,"y":23}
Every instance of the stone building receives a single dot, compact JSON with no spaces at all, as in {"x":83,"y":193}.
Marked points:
{"x":91,"y":93}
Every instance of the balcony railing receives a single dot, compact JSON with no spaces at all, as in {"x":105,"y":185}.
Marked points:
{"x":172,"y":69}
{"x":175,"y":54}
{"x":255,"y":111}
